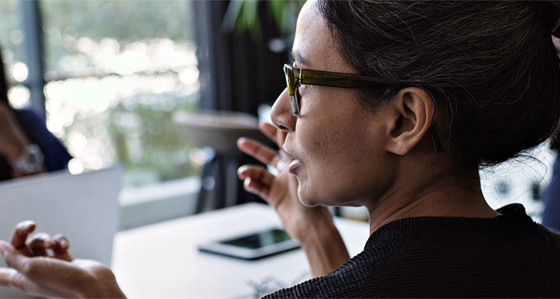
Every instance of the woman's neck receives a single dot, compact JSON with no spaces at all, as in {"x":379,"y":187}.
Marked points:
{"x":431,"y":193}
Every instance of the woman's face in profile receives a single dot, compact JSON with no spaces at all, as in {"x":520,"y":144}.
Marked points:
{"x":338,"y":146}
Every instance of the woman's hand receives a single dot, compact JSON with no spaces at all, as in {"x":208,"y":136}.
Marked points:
{"x":42,"y":266}
{"x":279,"y":190}
{"x":313,"y":227}
{"x":40,"y":244}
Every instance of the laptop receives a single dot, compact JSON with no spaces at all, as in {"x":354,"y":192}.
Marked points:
{"x":84,"y":207}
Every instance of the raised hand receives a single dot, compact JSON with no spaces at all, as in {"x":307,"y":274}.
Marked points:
{"x":275,"y":189}
{"x":278,"y":190}
{"x":313,"y":227}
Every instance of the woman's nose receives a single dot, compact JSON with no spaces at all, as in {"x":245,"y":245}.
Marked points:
{"x":281,"y":114}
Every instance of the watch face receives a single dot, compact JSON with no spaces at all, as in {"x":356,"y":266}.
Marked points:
{"x":31,"y":160}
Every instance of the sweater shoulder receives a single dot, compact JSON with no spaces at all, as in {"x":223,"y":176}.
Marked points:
{"x":522,"y":259}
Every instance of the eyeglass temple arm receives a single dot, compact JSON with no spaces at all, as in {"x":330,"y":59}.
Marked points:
{"x":338,"y":80}
{"x":354,"y":81}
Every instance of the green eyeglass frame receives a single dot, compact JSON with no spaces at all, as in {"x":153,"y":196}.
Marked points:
{"x":296,"y":76}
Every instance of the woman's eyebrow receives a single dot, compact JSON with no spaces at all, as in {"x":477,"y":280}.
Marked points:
{"x":298,"y":57}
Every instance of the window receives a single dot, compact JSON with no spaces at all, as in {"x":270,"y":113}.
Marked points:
{"x":11,"y":41}
{"x":115,"y":72}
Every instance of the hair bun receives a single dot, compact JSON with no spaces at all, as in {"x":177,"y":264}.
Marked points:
{"x":549,"y":14}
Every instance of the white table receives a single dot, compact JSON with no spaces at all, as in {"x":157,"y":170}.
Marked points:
{"x":162,"y":261}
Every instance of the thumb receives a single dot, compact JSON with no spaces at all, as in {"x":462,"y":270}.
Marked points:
{"x":5,"y":248}
{"x":13,"y":279}
{"x":13,"y":258}
{"x":10,"y":277}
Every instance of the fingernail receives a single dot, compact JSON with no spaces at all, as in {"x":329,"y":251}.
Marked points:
{"x":42,"y":236}
{"x":63,"y":243}
{"x":247,"y":185}
{"x":241,"y":170}
{"x":24,"y":224}
{"x":48,"y":243}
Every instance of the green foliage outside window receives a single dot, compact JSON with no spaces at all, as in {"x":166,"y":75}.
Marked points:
{"x":121,"y":68}
{"x":243,"y":15}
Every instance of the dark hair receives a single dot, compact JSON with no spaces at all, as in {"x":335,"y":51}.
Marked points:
{"x":491,"y":67}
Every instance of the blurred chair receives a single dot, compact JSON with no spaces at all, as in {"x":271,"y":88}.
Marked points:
{"x":219,"y":131}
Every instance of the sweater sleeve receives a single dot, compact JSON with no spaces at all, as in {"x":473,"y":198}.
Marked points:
{"x":34,"y":127}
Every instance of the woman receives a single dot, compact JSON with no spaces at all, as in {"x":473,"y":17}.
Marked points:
{"x":444,"y":88}
{"x":26,"y":145}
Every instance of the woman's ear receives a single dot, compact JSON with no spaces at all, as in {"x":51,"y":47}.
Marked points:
{"x":414,"y":109}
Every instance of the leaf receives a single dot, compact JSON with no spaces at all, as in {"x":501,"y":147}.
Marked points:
{"x":251,"y":12}
{"x":233,"y":14}
{"x":277,"y":7}
{"x":243,"y":15}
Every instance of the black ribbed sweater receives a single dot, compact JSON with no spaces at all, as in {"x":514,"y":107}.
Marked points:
{"x":506,"y":256}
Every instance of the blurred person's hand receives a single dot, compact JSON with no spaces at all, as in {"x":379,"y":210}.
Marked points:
{"x":12,"y":140}
{"x":14,"y":144}
{"x":41,"y":265}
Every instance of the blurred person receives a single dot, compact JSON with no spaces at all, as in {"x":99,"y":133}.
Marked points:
{"x":551,"y":199}
{"x":393,"y":106}
{"x":26,"y":145}
{"x":551,"y":195}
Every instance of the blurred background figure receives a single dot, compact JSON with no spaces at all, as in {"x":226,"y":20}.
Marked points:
{"x":551,"y":195}
{"x":26,"y":145}
{"x":551,"y":200}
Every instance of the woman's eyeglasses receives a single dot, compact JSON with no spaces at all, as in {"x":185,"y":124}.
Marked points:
{"x":296,"y":76}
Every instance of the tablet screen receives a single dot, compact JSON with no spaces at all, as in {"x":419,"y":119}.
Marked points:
{"x":261,"y":239}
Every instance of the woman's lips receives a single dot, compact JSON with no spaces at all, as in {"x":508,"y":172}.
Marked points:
{"x":294,"y":165}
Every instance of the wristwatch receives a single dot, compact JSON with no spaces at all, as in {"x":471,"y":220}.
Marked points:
{"x":30,"y":161}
